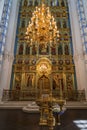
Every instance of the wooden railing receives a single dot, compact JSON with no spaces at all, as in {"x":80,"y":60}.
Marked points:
{"x":31,"y":95}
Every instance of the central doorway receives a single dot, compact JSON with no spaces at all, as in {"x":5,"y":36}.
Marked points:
{"x":44,"y":83}
{"x":44,"y":75}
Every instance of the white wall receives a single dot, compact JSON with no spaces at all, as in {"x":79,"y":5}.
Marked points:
{"x":9,"y":48}
{"x":85,"y":8}
{"x":1,"y":8}
{"x":77,"y":46}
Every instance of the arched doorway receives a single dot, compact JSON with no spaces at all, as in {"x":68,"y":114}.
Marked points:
{"x":43,"y":75}
{"x":44,"y":83}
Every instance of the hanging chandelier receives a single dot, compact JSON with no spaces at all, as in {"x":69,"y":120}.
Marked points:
{"x":42,"y":28}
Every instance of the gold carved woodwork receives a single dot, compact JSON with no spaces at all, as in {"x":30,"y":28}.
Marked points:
{"x":44,"y":67}
{"x":53,"y":63}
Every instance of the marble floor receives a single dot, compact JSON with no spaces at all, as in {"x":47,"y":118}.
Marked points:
{"x":12,"y":119}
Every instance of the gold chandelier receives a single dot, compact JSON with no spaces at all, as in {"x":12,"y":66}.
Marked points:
{"x":42,"y":28}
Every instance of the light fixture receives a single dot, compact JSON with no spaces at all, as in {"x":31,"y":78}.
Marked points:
{"x":42,"y":28}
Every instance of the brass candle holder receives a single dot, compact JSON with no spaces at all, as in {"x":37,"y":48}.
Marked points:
{"x":46,"y":104}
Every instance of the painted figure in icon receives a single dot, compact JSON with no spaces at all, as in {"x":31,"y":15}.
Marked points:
{"x":30,"y":81}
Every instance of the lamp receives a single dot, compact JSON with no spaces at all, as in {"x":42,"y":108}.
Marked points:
{"x":42,"y":28}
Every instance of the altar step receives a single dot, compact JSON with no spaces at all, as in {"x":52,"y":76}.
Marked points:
{"x":76,"y":105}
{"x":27,"y":104}
{"x":13,"y":104}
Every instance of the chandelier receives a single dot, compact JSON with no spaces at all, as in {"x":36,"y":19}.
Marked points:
{"x":42,"y":28}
